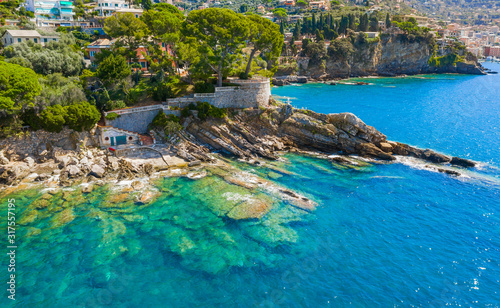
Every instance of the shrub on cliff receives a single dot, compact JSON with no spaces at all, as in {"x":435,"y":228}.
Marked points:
{"x":168,"y":123}
{"x":205,"y":110}
{"x":111,"y":116}
{"x":340,"y":49}
{"x":82,"y":116}
{"x":316,"y":51}
{"x":446,"y":60}
{"x":161,"y":120}
{"x":52,"y":118}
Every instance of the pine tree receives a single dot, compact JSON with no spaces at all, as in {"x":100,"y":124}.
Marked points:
{"x":387,"y":21}
{"x":314,"y":25}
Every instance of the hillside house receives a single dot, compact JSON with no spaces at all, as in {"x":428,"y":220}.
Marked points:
{"x":11,"y":37}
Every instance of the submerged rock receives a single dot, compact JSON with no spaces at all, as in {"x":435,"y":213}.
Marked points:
{"x":253,"y":208}
{"x":62,"y":218}
{"x":147,"y":197}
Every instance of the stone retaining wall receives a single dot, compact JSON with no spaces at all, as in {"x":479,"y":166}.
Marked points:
{"x":134,"y":121}
{"x":250,"y":93}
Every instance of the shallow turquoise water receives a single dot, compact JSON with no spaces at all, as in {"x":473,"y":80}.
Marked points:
{"x":382,"y":235}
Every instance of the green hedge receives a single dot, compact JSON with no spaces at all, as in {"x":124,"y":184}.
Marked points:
{"x":449,"y":59}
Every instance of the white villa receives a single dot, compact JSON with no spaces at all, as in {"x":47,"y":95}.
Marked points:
{"x":52,"y":13}
{"x":17,"y":36}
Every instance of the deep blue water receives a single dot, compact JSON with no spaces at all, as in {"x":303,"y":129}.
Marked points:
{"x":383,"y":235}
{"x":454,"y":114}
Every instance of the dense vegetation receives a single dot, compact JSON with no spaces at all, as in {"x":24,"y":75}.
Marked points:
{"x":204,"y":110}
{"x":169,"y":124}
{"x":48,"y":87}
{"x":42,"y":102}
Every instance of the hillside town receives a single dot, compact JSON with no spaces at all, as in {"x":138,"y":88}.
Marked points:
{"x":43,"y":20}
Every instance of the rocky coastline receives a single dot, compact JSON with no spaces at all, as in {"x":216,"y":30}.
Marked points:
{"x":251,"y":135}
{"x":389,"y":56}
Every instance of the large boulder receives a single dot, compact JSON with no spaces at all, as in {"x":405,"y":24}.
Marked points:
{"x":3,"y":160}
{"x":97,"y":171}
{"x":353,"y":125}
{"x":73,"y":171}
{"x":30,"y":161}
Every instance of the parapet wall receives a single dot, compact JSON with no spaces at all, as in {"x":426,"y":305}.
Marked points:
{"x":137,"y":119}
{"x":249,"y":93}
{"x":134,"y":119}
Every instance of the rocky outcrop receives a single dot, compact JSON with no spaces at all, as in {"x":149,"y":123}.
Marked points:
{"x":262,"y":133}
{"x":391,"y":55}
{"x":285,"y":80}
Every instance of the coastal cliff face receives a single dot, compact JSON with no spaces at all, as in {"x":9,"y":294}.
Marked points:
{"x":389,"y":56}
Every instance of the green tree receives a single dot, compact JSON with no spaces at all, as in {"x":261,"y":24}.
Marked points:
{"x":52,"y":118}
{"x":373,"y":24}
{"x":341,"y":49}
{"x":129,"y":30}
{"x":280,"y":14}
{"x":264,"y":37}
{"x":220,"y":35}
{"x":113,"y":69}
{"x":302,"y":4}
{"x":147,"y":4}
{"x":18,"y":87}
{"x":243,"y":8}
{"x":388,"y":21}
{"x":82,"y":116}
{"x":316,"y":51}
{"x":164,"y":25}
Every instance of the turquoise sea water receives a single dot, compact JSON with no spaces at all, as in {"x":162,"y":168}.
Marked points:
{"x":383,"y":235}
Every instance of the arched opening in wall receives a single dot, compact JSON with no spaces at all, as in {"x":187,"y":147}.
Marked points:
{"x":130,"y":138}
{"x":106,"y":138}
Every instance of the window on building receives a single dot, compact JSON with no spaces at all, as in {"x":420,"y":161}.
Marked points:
{"x":36,"y":40}
{"x":116,"y":4}
{"x":19,"y":40}
{"x":45,"y":40}
{"x":27,"y":39}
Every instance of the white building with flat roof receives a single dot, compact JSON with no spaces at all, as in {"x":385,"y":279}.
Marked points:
{"x":109,"y":7}
{"x":52,"y":13}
